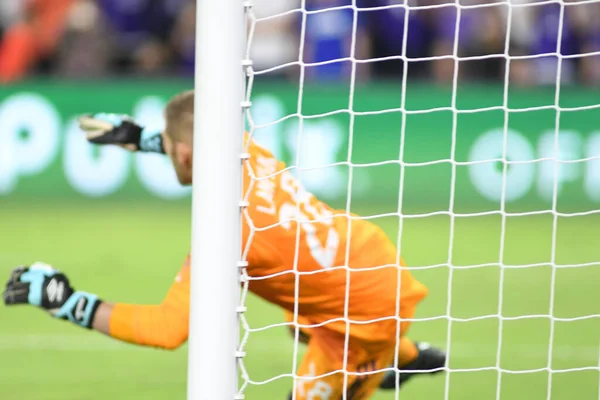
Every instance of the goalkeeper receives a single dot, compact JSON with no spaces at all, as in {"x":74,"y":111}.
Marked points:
{"x":372,"y":293}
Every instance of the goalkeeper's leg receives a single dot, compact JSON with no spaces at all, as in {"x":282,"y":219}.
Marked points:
{"x":325,"y":355}
{"x":414,"y":358}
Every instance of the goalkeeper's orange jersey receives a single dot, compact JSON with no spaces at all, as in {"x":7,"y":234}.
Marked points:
{"x":346,"y":266}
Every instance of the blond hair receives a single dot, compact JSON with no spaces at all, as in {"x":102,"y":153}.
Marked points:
{"x":179,"y":115}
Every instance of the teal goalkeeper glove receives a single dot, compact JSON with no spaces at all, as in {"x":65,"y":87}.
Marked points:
{"x":43,"y":286}
{"x":120,"y":130}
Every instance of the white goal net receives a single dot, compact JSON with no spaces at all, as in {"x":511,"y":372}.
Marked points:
{"x":469,"y":132}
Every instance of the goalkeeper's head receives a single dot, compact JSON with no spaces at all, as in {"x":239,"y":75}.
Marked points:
{"x":178,"y":134}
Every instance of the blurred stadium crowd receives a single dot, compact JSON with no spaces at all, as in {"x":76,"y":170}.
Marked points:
{"x":92,"y":38}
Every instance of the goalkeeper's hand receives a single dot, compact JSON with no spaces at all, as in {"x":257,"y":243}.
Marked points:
{"x":43,"y":286}
{"x":120,"y":130}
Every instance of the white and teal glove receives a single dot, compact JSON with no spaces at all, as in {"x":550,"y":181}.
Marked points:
{"x":120,"y":130}
{"x":45,"y":287}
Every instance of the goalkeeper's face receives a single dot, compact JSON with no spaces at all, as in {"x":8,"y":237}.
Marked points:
{"x":180,"y":153}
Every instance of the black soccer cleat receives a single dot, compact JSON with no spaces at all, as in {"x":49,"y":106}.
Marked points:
{"x":430,"y":361}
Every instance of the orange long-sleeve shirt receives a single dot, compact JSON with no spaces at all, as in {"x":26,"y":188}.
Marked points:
{"x":330,"y":251}
{"x":165,"y":325}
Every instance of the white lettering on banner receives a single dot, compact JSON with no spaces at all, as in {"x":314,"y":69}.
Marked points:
{"x":591,"y":182}
{"x":8,"y":171}
{"x":155,"y":171}
{"x":319,"y":145}
{"x":89,"y":175}
{"x":321,"y":140}
{"x":33,"y":115}
{"x":487,"y":177}
{"x":569,"y":148}
{"x":308,"y":215}
{"x":267,"y":109}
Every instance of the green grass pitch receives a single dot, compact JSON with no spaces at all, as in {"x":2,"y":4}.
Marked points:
{"x":127,"y":252}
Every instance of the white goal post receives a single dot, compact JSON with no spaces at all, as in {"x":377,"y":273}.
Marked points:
{"x":216,"y":196}
{"x":498,"y":167}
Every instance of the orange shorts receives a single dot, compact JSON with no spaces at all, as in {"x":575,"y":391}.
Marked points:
{"x":328,"y":369}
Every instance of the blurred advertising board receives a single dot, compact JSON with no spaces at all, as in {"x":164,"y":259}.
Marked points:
{"x":444,"y":148}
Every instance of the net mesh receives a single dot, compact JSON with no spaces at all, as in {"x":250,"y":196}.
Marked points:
{"x":563,"y":357}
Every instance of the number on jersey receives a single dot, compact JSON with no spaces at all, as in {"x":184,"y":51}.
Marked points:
{"x":305,"y":209}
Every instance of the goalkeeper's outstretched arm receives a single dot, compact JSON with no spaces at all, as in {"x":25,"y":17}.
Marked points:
{"x":121,"y":130}
{"x":163,"y":326}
